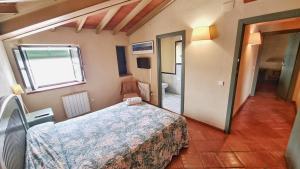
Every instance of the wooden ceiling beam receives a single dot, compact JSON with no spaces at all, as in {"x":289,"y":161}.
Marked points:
{"x":55,"y":15}
{"x":131,"y":15}
{"x":80,"y":23}
{"x":108,"y":16}
{"x":8,"y":8}
{"x":149,"y":16}
{"x":247,"y":1}
{"x":15,"y":1}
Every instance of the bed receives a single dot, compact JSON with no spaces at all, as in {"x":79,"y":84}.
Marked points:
{"x":120,"y":136}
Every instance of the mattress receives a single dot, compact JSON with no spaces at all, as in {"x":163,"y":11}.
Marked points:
{"x":120,"y":136}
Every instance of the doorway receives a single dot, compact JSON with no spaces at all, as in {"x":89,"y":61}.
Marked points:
{"x":277,"y":64}
{"x":170,"y":51}
{"x":288,"y":15}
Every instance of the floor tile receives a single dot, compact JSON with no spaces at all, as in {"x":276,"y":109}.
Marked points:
{"x":192,"y":162}
{"x":210,"y":160}
{"x":208,"y":146}
{"x":176,"y":163}
{"x":171,"y":102}
{"x":229,"y":159}
{"x":251,"y":159}
{"x":259,"y":137}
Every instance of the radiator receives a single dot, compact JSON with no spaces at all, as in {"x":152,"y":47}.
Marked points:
{"x":145,"y":91}
{"x":76,"y":104}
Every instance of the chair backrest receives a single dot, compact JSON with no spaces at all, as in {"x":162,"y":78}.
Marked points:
{"x":129,"y":86}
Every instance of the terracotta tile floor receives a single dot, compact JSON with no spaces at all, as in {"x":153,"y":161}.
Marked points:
{"x":259,"y":137}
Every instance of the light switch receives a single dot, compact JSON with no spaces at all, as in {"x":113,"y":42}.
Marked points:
{"x":221,"y":83}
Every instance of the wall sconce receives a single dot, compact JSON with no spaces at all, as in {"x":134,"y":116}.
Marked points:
{"x":204,"y":33}
{"x":255,"y":39}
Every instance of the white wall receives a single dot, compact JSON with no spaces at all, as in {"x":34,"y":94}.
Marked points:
{"x":6,"y":76}
{"x":206,"y":61}
{"x":174,"y":81}
{"x":100,"y":66}
{"x":246,"y":71}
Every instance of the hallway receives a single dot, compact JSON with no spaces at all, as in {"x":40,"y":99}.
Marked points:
{"x":259,"y":137}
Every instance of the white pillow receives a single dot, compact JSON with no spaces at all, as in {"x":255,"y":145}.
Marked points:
{"x":133,"y":101}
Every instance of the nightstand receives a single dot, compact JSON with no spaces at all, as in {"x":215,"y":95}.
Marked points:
{"x":39,"y":117}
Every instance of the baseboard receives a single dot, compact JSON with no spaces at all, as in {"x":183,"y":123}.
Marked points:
{"x":205,"y":124}
{"x":241,"y":106}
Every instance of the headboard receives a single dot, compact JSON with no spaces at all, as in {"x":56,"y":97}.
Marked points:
{"x":13,"y":128}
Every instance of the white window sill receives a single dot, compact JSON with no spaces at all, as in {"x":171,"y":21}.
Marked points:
{"x":54,"y":87}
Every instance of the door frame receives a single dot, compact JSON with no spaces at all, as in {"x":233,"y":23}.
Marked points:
{"x":294,"y":76}
{"x":159,"y":76}
{"x":238,"y":50}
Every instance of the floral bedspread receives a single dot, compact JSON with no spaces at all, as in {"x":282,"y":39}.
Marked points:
{"x":118,"y":137}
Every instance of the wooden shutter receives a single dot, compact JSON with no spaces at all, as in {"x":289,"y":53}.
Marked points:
{"x":77,"y":63}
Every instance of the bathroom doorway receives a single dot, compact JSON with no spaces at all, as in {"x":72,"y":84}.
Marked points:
{"x":171,"y":71}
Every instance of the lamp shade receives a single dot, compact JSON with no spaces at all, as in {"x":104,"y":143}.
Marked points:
{"x":17,"y":89}
{"x":255,"y":39}
{"x":204,"y":33}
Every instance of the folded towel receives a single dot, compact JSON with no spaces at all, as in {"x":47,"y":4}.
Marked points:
{"x":133,"y":101}
{"x":130,"y":95}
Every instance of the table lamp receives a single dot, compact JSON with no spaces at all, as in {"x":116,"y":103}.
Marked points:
{"x":17,"y":90}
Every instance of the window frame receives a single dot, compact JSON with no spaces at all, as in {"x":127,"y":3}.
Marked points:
{"x":32,"y":88}
{"x":121,"y":74}
{"x":18,"y":66}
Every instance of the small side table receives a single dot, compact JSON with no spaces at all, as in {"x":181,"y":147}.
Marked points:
{"x":39,"y":117}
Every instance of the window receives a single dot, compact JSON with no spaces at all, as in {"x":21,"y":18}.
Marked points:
{"x":121,"y":60}
{"x":44,"y":66}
